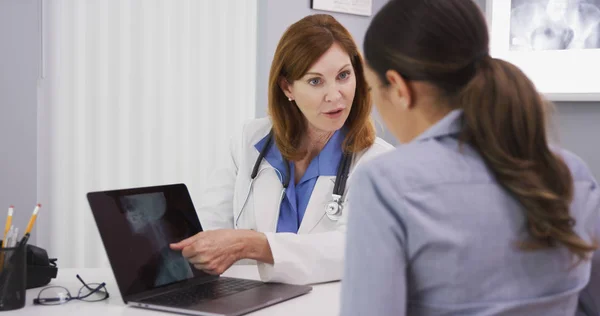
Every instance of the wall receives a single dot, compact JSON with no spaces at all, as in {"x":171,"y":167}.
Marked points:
{"x":19,"y":70}
{"x":578,"y":127}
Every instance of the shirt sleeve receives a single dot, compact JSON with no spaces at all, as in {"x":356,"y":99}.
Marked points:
{"x":374,"y":281}
{"x":589,"y":298}
{"x":304,"y":258}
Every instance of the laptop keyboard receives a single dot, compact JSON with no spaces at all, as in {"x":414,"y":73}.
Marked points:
{"x":203,"y":292}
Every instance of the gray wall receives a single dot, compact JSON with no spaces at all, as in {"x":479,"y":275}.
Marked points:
{"x":20,"y":56}
{"x":578,"y":128}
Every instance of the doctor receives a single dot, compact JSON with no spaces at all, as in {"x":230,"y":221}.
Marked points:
{"x":281,"y":198}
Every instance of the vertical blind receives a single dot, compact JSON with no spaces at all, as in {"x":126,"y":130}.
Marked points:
{"x":135,"y":93}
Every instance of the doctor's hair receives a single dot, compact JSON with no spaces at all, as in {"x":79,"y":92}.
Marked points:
{"x":445,"y":43}
{"x":302,"y":44}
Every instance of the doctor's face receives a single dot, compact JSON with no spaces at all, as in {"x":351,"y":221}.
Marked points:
{"x":326,"y":92}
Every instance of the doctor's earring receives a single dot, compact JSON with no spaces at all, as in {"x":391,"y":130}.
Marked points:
{"x":404,"y":103}
{"x":290,"y":99}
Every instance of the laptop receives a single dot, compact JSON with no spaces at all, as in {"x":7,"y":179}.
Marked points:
{"x":137,"y":225}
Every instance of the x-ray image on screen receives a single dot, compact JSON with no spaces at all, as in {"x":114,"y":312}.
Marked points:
{"x":148,"y":216}
{"x":554,"y":25}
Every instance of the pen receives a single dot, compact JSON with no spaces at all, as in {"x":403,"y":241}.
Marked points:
{"x":30,"y":224}
{"x":13,"y":241}
{"x":8,"y":223}
{"x":9,"y":236}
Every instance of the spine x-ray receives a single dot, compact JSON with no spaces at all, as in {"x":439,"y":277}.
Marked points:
{"x":146,"y":216}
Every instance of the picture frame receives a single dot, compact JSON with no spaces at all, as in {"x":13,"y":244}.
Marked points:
{"x":356,"y":7}
{"x":554,"y":48}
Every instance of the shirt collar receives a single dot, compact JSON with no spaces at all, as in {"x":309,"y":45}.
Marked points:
{"x":450,"y":124}
{"x":273,"y":155}
{"x":324,"y":164}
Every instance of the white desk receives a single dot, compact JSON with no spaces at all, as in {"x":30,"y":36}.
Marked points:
{"x":322,"y":300}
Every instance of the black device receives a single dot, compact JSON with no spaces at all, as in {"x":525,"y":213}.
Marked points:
{"x":138,"y":224}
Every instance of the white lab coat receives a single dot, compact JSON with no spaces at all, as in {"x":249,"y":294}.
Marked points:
{"x":313,"y":255}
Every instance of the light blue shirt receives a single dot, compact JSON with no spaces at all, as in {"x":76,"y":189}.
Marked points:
{"x":431,"y":232}
{"x":297,"y":196}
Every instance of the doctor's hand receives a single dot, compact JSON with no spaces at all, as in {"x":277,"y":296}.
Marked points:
{"x":214,"y":251}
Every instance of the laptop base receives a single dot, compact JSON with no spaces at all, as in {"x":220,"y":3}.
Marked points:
{"x":237,"y":304}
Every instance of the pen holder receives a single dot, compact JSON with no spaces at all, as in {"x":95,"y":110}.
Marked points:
{"x":13,"y":278}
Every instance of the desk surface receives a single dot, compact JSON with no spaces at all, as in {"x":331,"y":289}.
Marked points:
{"x":322,"y":300}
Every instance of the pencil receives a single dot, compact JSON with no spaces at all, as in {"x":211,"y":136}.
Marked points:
{"x":30,"y":225}
{"x":32,"y":219}
{"x":8,"y":223}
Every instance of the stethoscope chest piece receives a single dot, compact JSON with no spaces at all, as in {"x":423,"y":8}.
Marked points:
{"x":334,"y":208}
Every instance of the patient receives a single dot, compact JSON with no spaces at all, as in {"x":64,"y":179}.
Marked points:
{"x":475,"y":213}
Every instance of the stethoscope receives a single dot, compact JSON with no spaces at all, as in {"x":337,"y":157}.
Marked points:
{"x":334,"y":207}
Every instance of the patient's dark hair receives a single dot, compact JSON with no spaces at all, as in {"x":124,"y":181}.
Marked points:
{"x":445,"y":43}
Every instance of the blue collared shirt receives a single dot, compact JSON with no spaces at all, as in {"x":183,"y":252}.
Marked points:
{"x":431,"y":232}
{"x":297,"y":196}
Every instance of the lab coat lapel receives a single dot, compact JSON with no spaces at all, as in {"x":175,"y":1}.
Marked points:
{"x":266,"y":196}
{"x":315,"y":210}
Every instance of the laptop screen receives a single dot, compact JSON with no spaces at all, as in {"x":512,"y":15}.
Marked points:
{"x":137,"y":226}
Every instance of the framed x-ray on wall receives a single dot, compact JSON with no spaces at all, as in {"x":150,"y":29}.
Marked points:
{"x":358,"y":7}
{"x":555,"y":42}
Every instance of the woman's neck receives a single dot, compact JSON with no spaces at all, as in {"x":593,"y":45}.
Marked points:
{"x":314,"y":141}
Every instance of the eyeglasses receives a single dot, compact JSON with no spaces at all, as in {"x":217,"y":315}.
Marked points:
{"x":56,"y":295}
